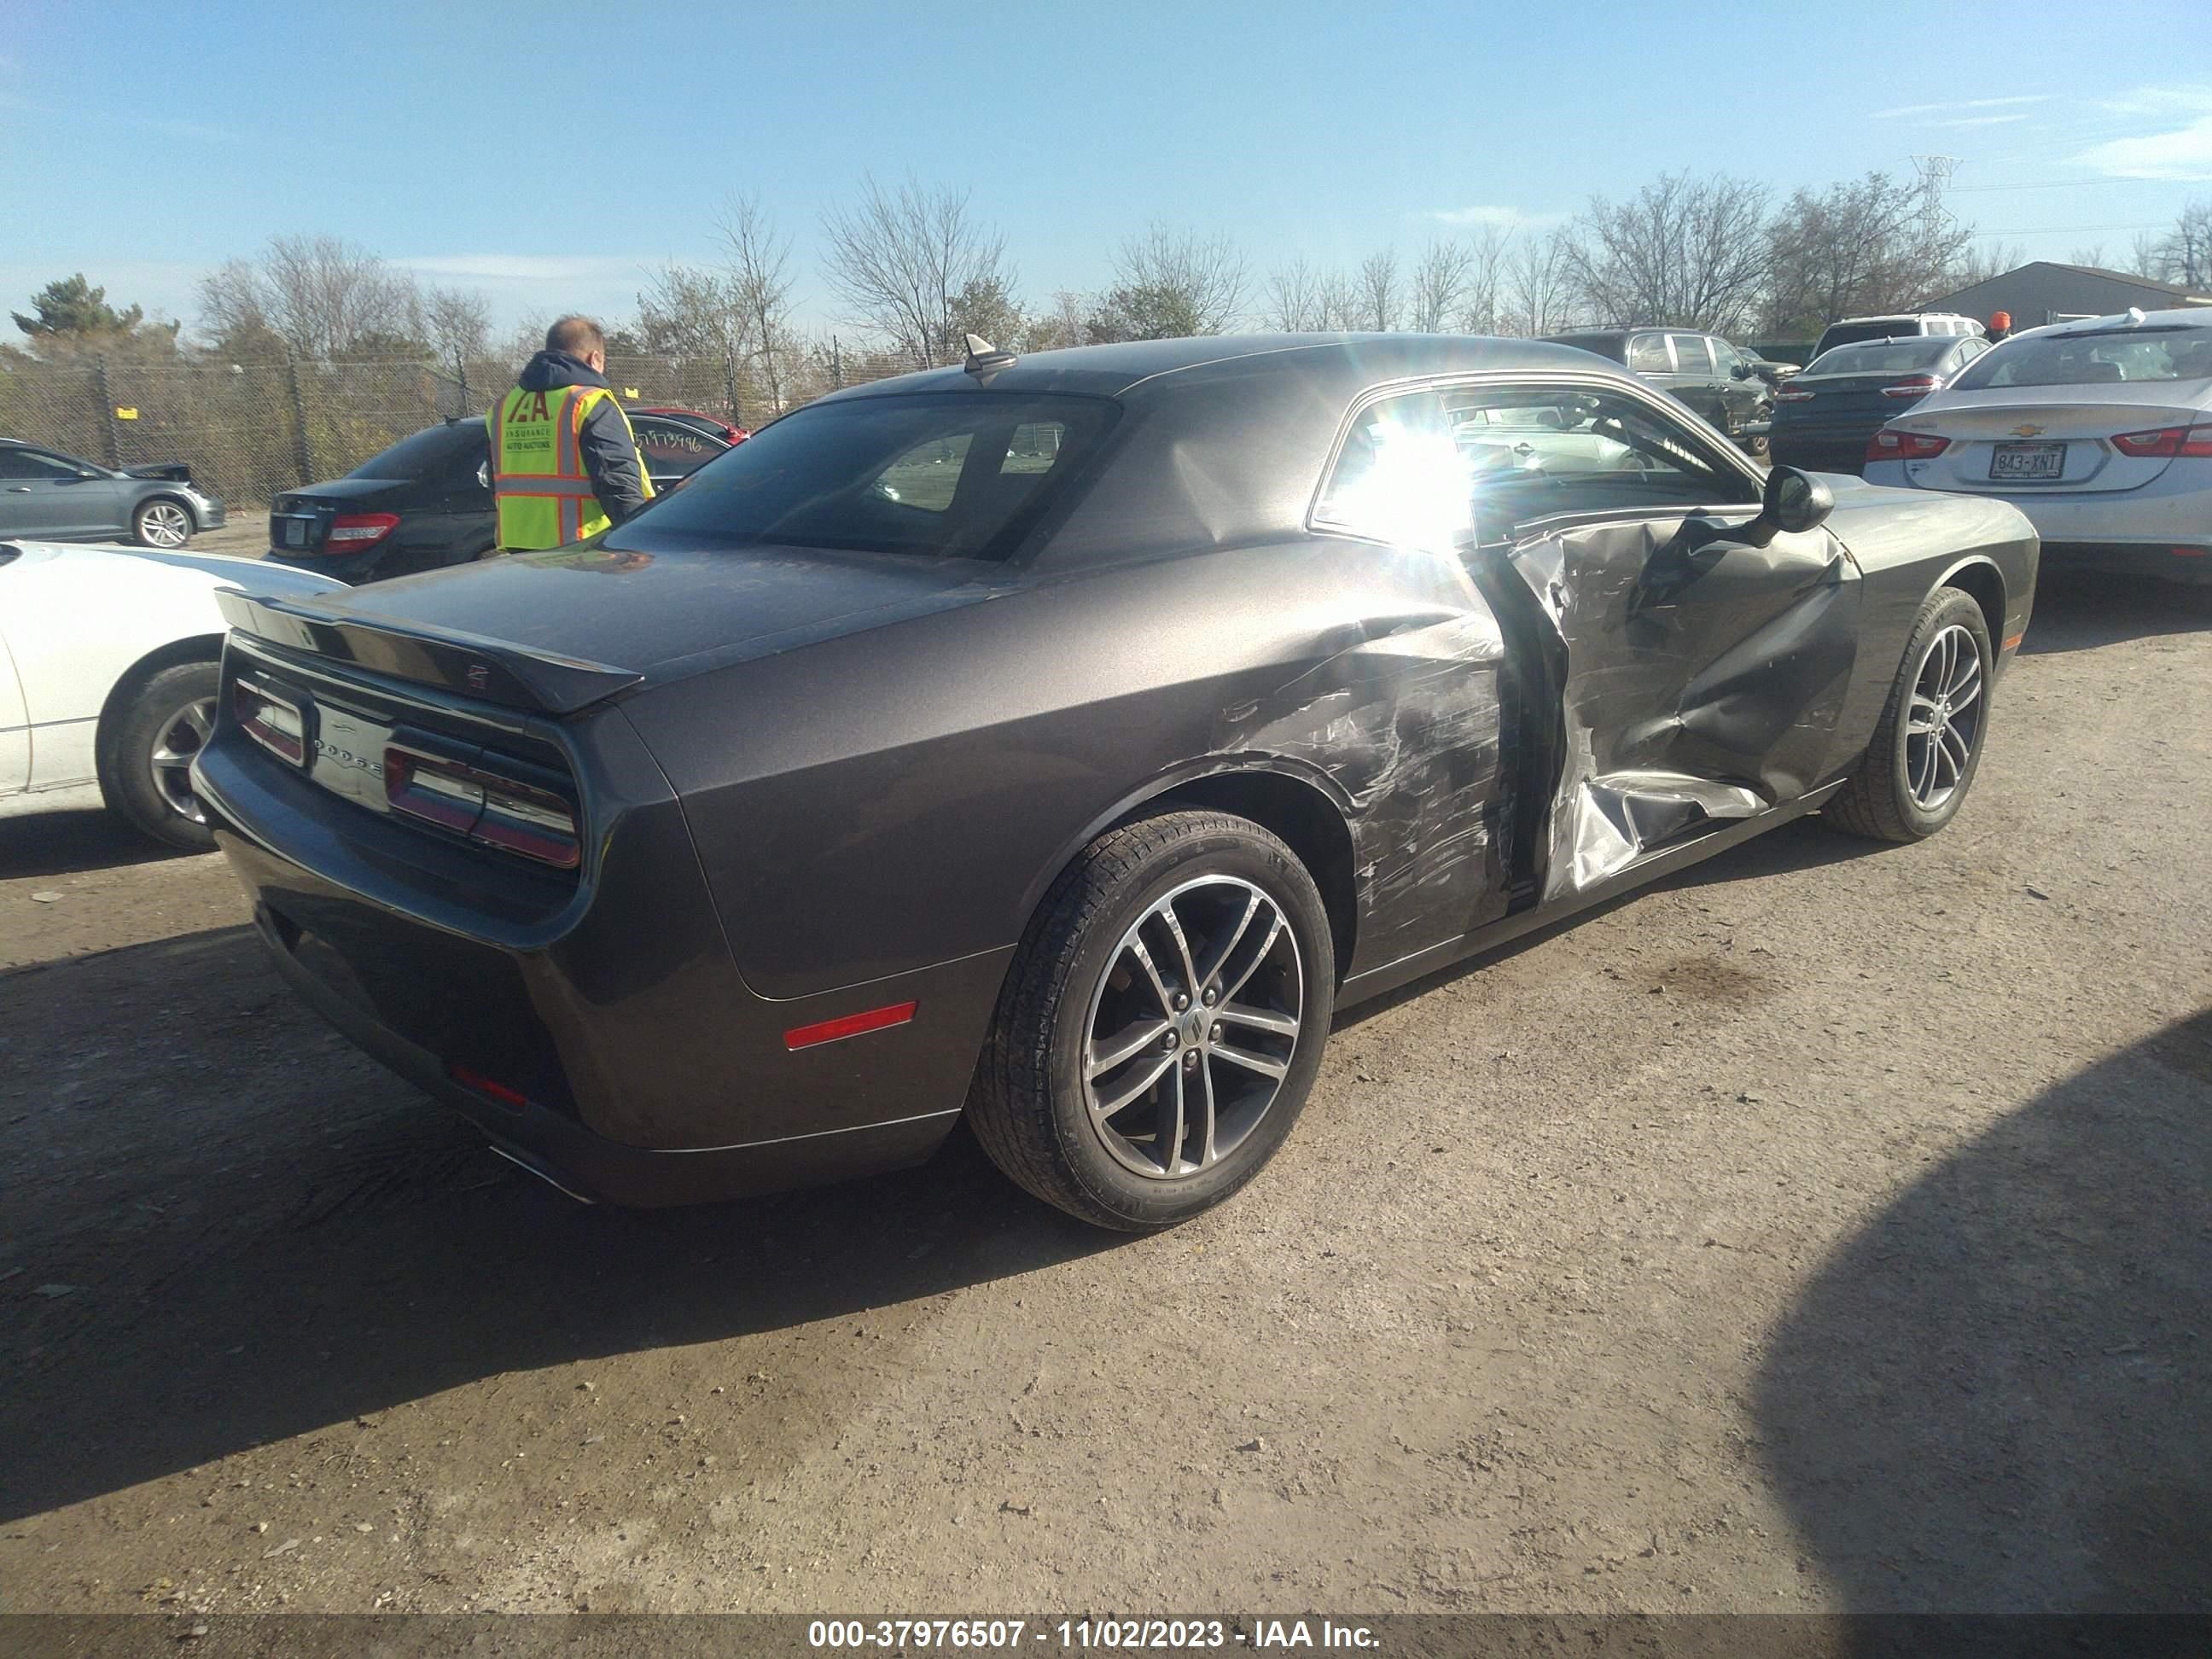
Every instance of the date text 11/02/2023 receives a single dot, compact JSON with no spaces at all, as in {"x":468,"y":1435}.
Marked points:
{"x":1085,"y":1634}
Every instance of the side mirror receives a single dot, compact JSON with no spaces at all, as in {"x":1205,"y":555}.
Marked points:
{"x":1743,"y":371}
{"x":1795,"y":501}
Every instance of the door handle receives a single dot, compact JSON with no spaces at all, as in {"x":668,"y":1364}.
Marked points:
{"x":19,"y":489}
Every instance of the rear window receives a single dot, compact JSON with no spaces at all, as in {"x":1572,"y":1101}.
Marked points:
{"x":671,"y":448}
{"x":1883,"y":357}
{"x":2110,"y":357}
{"x":429,"y":455}
{"x":1613,"y":346}
{"x":956,"y":476}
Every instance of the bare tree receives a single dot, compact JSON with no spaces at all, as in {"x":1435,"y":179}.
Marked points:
{"x":1482,"y":295}
{"x":2183,"y":253}
{"x":2092,"y":257}
{"x":322,"y":296}
{"x":2142,"y":254}
{"x":1859,"y":248}
{"x":1437,"y":290}
{"x":1340,"y":301}
{"x":899,"y":260}
{"x":1056,"y":328}
{"x":1684,"y":251}
{"x":757,"y":273}
{"x":1539,"y":292}
{"x":690,"y":311}
{"x":1979,"y":265}
{"x":1295,"y":300}
{"x":1168,"y":284}
{"x":458,"y":322}
{"x":1380,"y":291}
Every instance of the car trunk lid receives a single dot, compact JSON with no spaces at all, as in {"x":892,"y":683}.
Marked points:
{"x":299,"y":520}
{"x":559,"y":631}
{"x":2008,"y":440}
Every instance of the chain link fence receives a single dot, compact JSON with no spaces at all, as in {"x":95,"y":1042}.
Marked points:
{"x":251,"y":430}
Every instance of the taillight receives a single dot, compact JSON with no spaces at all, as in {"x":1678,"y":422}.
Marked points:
{"x":355,"y":530}
{"x":484,"y":805}
{"x":1912,"y":386}
{"x":2165,"y":443}
{"x":1888,"y":445}
{"x":275,"y":724}
{"x":1793,"y":396}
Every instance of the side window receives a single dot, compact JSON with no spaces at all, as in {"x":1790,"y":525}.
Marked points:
{"x":1034,"y":447}
{"x":671,"y":448}
{"x":1724,"y":356}
{"x":1691,"y":356}
{"x":1398,"y":476}
{"x":1532,"y":452}
{"x":927,"y":476}
{"x":1647,"y":355}
{"x":28,"y":464}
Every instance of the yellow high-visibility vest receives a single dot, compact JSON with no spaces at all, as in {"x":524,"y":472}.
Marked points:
{"x":544,"y":493}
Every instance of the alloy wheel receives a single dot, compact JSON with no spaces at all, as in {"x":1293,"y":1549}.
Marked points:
{"x":170,"y":758}
{"x":1943,"y":719}
{"x":1192,"y":1028}
{"x":164,"y":524}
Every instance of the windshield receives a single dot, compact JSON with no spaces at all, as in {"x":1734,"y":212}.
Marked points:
{"x":1882,"y":357}
{"x":429,"y":455}
{"x":959,"y":476}
{"x":2103,"y":358}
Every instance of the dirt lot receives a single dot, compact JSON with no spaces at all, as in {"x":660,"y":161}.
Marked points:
{"x":1824,"y":1230}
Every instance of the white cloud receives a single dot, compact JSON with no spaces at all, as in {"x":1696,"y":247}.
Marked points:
{"x":2184,"y":152}
{"x":1976,"y":121}
{"x":1506,"y":218}
{"x":104,"y":115}
{"x":527,"y":267}
{"x":1910,"y":112}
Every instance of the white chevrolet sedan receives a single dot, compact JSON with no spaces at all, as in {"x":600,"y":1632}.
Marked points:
{"x":107,"y":674}
{"x":2100,"y":431}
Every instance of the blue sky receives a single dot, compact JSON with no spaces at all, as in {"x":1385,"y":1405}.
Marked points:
{"x":149,"y":143}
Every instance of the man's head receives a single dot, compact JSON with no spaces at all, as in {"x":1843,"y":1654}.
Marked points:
{"x":580,"y":337}
{"x":2000,"y":322}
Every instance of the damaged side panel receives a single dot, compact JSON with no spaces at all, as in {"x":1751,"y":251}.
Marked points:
{"x":1705,"y":660}
{"x":1407,"y":721}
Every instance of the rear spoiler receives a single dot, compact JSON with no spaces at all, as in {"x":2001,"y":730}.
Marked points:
{"x":177,"y":471}
{"x":483,"y":670}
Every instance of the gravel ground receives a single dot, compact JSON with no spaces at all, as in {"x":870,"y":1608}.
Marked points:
{"x":1824,"y":1229}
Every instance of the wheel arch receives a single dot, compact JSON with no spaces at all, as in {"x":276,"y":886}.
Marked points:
{"x":1306,"y":811}
{"x":191,"y":512}
{"x":1981,"y":581}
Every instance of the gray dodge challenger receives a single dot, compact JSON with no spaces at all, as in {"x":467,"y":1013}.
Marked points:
{"x":1062,"y":741}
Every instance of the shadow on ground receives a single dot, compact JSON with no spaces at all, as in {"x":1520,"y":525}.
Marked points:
{"x":70,"y":841}
{"x":1998,"y":1395}
{"x":2077,"y":611}
{"x":267,"y":1234}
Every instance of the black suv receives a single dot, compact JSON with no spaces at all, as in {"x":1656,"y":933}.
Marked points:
{"x":1703,"y":370}
{"x":427,"y":500}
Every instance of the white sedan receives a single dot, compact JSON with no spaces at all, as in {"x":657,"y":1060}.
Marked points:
{"x":107,"y":674}
{"x":2100,"y":431}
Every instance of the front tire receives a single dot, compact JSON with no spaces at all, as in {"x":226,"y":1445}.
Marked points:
{"x":145,"y":751}
{"x":1926,"y":750}
{"x":1161,"y":1025}
{"x":163,"y":522}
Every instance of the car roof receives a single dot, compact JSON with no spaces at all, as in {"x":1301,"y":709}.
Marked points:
{"x":1339,"y":362}
{"x":2184,"y":317}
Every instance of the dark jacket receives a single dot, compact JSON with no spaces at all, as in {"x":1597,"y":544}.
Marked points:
{"x":610,"y":453}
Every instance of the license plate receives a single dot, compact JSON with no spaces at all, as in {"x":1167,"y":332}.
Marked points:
{"x":2028,"y":461}
{"x":295,"y":532}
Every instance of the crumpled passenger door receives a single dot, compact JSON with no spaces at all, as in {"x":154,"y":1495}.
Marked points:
{"x":1706,"y":656}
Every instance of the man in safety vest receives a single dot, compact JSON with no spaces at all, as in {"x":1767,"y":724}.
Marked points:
{"x":564,"y":461}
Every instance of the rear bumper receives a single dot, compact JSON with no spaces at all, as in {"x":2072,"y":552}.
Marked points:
{"x":604,"y":1039}
{"x":2174,"y":562}
{"x":591,"y":1167}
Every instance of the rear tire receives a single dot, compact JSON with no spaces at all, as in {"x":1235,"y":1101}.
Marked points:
{"x":162,"y":522}
{"x":144,"y":752}
{"x":1926,"y":750}
{"x":1199,"y":908}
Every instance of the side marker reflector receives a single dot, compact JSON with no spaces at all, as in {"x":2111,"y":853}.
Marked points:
{"x":829,"y":1031}
{"x":2011,"y":642}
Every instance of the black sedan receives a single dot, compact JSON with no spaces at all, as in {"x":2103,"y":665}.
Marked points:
{"x":1824,"y":417}
{"x":48,"y":497}
{"x":1063,"y":740}
{"x":426,"y":502}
